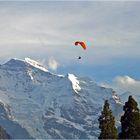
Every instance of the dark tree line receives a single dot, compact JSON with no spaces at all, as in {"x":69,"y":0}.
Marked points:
{"x":130,"y":122}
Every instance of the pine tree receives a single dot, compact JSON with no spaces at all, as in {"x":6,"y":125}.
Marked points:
{"x":130,"y":121}
{"x":107,"y":123}
{"x":3,"y":134}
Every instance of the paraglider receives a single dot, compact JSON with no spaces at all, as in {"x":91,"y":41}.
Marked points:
{"x":82,"y":44}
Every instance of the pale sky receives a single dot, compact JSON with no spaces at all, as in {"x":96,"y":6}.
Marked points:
{"x":46,"y":31}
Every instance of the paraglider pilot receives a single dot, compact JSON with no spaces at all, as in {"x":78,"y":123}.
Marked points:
{"x":79,"y":57}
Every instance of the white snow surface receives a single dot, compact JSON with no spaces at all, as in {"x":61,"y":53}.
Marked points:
{"x":44,"y":104}
{"x":75,"y":82}
{"x":35,"y":64}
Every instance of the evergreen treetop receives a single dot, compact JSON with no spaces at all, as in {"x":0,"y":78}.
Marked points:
{"x":130,"y":121}
{"x":107,"y":123}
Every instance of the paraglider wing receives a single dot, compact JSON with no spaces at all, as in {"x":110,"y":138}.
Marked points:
{"x":83,"y":45}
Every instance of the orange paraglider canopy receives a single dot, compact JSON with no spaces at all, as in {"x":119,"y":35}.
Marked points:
{"x":83,"y":45}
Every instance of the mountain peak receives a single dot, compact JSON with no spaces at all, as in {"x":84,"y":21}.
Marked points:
{"x":16,"y":64}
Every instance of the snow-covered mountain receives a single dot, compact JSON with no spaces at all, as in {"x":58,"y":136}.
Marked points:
{"x":38,"y":104}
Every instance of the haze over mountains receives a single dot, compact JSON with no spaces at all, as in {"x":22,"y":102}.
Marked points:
{"x":35,"y":103}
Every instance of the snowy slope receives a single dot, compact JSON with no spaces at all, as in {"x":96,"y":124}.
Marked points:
{"x":51,"y":106}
